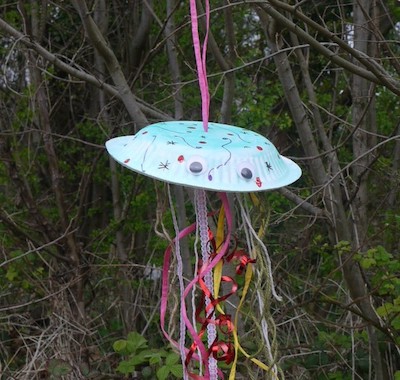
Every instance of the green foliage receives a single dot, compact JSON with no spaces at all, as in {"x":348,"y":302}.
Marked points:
{"x":390,"y":107}
{"x":172,"y":367}
{"x":391,"y":311}
{"x":18,"y":275}
{"x":384,"y":268}
{"x":391,"y":228}
{"x":145,"y":360}
{"x":260,"y":109}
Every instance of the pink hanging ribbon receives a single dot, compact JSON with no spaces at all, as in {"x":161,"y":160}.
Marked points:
{"x":201,"y":58}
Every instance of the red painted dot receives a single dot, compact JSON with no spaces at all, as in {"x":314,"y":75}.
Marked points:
{"x":258,"y":182}
{"x":181,"y":158}
{"x":259,"y":148}
{"x":127,"y":160}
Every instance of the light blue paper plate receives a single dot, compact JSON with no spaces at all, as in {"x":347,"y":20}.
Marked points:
{"x":225,"y":158}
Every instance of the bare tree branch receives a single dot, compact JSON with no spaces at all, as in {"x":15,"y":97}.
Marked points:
{"x":307,"y":206}
{"x":78,"y":73}
{"x":375,"y":72}
{"x":113,"y":66}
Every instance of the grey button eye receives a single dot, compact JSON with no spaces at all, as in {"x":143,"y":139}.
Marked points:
{"x":196,"y":167}
{"x":246,"y":173}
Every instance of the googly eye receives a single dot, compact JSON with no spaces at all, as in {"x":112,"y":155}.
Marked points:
{"x":246,"y":171}
{"x":196,"y":165}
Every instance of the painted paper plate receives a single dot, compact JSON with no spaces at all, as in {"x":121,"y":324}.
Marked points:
{"x":225,"y":158}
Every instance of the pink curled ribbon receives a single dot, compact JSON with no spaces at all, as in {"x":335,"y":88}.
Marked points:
{"x":201,"y":59}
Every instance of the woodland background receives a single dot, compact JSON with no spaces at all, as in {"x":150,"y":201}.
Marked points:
{"x":79,"y":251}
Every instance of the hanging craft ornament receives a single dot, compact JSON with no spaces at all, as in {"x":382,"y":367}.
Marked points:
{"x":226,"y":158}
{"x":209,"y":156}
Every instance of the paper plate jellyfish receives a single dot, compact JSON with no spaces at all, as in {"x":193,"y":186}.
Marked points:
{"x":220,"y":158}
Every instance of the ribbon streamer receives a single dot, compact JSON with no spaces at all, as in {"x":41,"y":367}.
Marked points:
{"x":206,"y":282}
{"x":201,"y":58}
{"x":205,"y":269}
{"x":223,"y":346}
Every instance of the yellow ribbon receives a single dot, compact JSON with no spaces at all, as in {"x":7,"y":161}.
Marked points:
{"x":219,"y":238}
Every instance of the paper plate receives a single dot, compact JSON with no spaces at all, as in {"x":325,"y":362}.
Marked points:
{"x":225,"y":158}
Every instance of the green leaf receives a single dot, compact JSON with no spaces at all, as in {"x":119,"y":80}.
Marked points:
{"x":384,"y":310}
{"x":119,"y":345}
{"x":162,"y":373}
{"x":135,"y":341}
{"x":155,"y":359}
{"x":11,"y":274}
{"x":396,"y":323}
{"x":172,"y":358}
{"x":140,"y":358}
{"x":177,"y":370}
{"x":367,"y":262}
{"x":125,"y":367}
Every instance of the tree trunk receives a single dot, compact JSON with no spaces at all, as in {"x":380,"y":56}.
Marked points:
{"x":173,"y":61}
{"x":364,"y":121}
{"x":363,"y":116}
{"x":340,"y":225}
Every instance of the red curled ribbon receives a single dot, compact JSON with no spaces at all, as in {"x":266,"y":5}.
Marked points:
{"x":221,"y":350}
{"x":225,"y":324}
{"x":243,"y":259}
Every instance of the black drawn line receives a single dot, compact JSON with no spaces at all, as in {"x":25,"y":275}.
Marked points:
{"x":145,"y":154}
{"x":184,"y":140}
{"x":164,"y":166}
